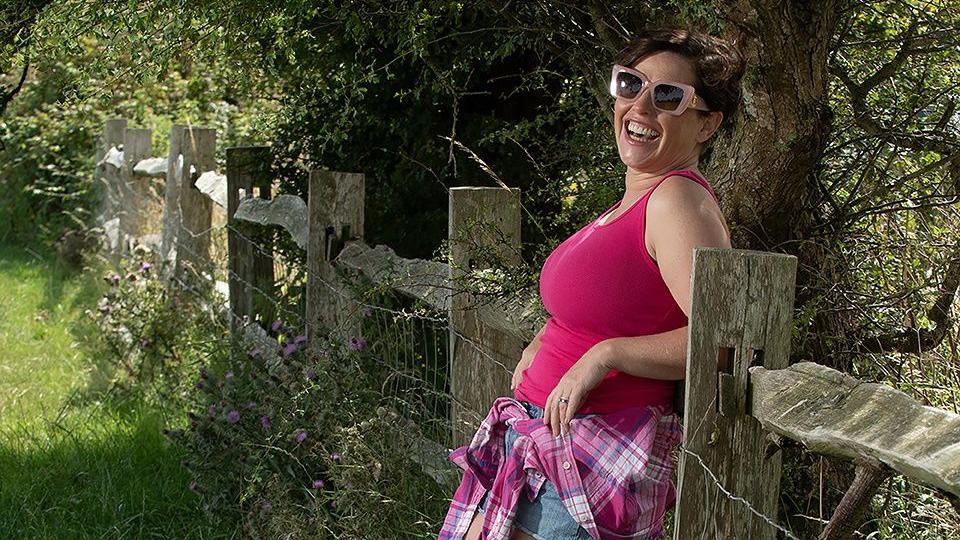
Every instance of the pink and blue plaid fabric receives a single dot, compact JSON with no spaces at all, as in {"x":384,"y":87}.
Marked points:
{"x":612,"y":471}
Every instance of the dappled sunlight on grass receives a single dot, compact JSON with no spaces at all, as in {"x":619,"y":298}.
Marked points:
{"x":73,"y":466}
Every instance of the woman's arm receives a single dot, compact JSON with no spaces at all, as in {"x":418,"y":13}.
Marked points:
{"x":681,"y":216}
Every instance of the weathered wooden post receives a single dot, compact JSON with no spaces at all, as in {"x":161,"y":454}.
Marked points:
{"x":741,"y":311}
{"x":171,"y":194}
{"x":250,"y":266}
{"x":335,"y":215}
{"x":112,"y":137}
{"x":135,"y":191}
{"x":198,"y":149}
{"x":484,"y":226}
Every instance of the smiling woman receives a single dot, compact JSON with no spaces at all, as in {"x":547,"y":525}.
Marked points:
{"x":583,"y":448}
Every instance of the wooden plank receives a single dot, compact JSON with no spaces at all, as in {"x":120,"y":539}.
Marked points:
{"x":835,"y":414}
{"x":249,"y":252}
{"x":198,"y":149}
{"x":484,"y":225}
{"x":112,"y":137}
{"x":743,"y":300}
{"x":136,"y":195}
{"x":429,"y":281}
{"x":335,"y":216}
{"x":171,"y":193}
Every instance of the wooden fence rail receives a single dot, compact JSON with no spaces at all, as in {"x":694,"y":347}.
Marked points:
{"x":741,"y":396}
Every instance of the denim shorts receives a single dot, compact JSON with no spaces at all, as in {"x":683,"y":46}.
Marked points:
{"x":545,"y":518}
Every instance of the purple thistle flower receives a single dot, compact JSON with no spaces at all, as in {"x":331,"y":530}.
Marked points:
{"x":145,"y":267}
{"x":228,"y":375}
{"x":357,"y":343}
{"x":144,"y":343}
{"x":233,"y":416}
{"x":198,"y":386}
{"x":300,"y":340}
{"x":366,"y":311}
{"x":318,"y":484}
{"x":312,"y":374}
{"x":277,"y":325}
{"x":212,"y":410}
{"x":265,"y":421}
{"x":336,"y":457}
{"x":114,"y":278}
{"x":289,"y":349}
{"x":301,"y":436}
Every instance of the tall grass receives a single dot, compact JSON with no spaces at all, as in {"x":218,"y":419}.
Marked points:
{"x":76,"y":462}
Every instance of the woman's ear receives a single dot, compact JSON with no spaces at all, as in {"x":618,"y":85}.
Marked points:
{"x":709,"y":124}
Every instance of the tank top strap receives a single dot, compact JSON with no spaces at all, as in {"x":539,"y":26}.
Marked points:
{"x":688,"y":173}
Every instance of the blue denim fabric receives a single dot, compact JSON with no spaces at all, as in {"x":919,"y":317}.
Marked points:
{"x":545,"y":518}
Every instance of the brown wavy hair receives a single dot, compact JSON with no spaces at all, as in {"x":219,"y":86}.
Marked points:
{"x":718,"y":64}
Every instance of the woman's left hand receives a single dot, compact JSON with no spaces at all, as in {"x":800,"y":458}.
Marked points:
{"x":575,"y":384}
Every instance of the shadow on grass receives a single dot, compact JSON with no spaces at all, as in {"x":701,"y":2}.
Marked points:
{"x":93,"y":475}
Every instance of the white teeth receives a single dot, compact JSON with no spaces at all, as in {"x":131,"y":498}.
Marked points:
{"x":636,"y":129}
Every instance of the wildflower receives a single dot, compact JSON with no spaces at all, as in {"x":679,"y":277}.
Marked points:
{"x":265,"y":421}
{"x":301,"y":436}
{"x":212,"y":410}
{"x":198,"y":386}
{"x":144,"y":343}
{"x":114,"y":279}
{"x":289,"y":349}
{"x":312,"y":374}
{"x":336,"y":457}
{"x":233,"y":416}
{"x":145,"y":267}
{"x":318,"y":484}
{"x":277,"y":325}
{"x":300,"y":340}
{"x":366,"y":311}
{"x":228,"y":375}
{"x":357,"y":343}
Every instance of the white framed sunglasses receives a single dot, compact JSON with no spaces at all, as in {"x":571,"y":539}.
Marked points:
{"x":667,"y":96}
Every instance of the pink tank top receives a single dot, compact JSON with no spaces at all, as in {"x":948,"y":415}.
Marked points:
{"x":598,"y":284}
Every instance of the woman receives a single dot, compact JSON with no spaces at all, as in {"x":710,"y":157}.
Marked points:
{"x":584,"y":449}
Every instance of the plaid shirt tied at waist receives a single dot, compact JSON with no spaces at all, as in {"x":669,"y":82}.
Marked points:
{"x":612,"y":471}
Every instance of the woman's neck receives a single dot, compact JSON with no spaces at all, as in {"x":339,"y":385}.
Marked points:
{"x":637,"y":183}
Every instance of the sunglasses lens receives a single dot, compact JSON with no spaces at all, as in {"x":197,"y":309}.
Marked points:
{"x":628,"y":85}
{"x":667,"y":97}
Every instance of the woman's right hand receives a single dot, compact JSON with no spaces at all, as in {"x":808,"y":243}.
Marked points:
{"x":525,"y":360}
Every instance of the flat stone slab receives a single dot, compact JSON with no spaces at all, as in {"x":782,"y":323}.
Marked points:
{"x":835,"y":414}
{"x":213,"y":185}
{"x":155,"y":167}
{"x":287,"y":211}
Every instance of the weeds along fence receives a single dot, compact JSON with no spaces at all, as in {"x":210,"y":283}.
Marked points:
{"x":449,"y":337}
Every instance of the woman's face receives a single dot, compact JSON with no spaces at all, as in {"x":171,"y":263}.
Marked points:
{"x":676,"y":141}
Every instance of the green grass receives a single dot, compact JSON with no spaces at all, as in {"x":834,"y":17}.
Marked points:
{"x":73,"y":463}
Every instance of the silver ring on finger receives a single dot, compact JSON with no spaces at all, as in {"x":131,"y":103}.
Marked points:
{"x":564,"y":401}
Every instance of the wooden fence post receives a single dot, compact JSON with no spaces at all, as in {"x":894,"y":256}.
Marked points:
{"x":335,"y":215}
{"x":481,"y":221}
{"x":113,"y":133}
{"x":741,"y":317}
{"x":198,"y":148}
{"x":171,"y":194}
{"x":250,"y":275}
{"x":137,"y":146}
